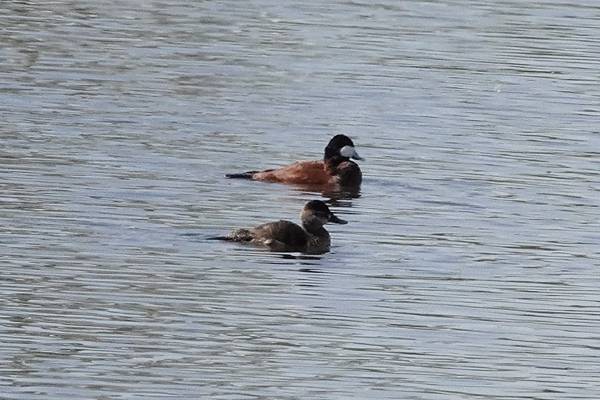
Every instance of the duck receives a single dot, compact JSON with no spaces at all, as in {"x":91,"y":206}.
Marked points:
{"x":336,"y":168}
{"x":286,"y":236}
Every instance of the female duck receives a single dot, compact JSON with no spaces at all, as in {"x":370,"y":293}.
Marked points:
{"x":335,"y":168}
{"x":287,"y":236}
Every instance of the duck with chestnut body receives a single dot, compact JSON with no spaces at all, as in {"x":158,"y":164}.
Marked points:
{"x":336,"y":168}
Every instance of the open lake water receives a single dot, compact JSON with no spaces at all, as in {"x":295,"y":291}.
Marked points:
{"x":469,"y":266}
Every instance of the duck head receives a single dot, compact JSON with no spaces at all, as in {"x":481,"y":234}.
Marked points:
{"x":341,"y":146}
{"x":315,"y":214}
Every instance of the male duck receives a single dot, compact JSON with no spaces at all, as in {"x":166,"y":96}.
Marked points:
{"x":335,"y":168}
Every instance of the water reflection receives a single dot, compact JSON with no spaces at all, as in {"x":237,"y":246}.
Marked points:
{"x":334,"y":193}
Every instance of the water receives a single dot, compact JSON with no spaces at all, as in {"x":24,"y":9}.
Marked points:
{"x":468,"y":269}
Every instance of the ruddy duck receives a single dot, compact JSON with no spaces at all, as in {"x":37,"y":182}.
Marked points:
{"x":335,"y":168}
{"x":287,"y":236}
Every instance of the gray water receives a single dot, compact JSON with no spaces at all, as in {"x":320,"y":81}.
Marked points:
{"x":468,"y":269}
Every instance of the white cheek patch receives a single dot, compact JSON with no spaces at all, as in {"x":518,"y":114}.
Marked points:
{"x":347,"y":151}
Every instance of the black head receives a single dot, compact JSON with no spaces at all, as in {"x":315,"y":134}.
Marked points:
{"x":341,"y":146}
{"x":318,"y":209}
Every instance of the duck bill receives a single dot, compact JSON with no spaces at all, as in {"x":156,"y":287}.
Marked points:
{"x":355,"y":156}
{"x":333,"y":218}
{"x":350,"y":152}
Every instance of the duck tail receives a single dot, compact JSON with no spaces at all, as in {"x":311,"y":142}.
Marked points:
{"x":239,"y":235}
{"x":243,"y":175}
{"x":227,"y":238}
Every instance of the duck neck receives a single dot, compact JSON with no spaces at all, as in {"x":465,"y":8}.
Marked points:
{"x":331,"y":163}
{"x":314,"y":227}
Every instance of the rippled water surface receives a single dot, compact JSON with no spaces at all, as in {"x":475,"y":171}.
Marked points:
{"x":468,"y":269}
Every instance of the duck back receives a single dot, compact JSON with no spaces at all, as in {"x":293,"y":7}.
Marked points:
{"x":284,"y":233}
{"x":300,"y":172}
